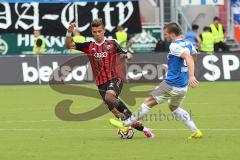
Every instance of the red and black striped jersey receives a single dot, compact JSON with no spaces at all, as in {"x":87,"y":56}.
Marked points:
{"x":105,"y":59}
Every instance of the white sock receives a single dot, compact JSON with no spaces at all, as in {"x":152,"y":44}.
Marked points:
{"x":143,"y":110}
{"x":185,"y":118}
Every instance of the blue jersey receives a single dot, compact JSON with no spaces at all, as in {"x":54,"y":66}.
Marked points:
{"x":177,"y":68}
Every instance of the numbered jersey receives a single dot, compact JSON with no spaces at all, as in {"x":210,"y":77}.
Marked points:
{"x":177,"y":68}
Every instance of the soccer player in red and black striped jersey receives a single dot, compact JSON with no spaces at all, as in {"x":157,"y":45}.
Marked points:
{"x":106,"y":58}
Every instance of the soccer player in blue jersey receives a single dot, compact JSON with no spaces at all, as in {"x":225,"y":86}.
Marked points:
{"x":174,"y":88}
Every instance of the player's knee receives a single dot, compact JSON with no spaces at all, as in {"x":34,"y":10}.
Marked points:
{"x":111,"y":92}
{"x":150,"y":101}
{"x":110,"y":100}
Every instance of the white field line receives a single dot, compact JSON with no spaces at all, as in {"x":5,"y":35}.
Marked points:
{"x":30,"y":121}
{"x":52,"y":107}
{"x":106,"y":119}
{"x":89,"y":130}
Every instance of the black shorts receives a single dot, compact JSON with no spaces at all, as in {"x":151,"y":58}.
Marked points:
{"x":115,"y":84}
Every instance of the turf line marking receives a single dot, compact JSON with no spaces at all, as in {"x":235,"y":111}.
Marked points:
{"x":87,"y":130}
{"x":105,"y":119}
{"x":37,"y":121}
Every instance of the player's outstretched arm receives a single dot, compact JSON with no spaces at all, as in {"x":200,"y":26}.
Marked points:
{"x":129,"y":56}
{"x":68,"y":41}
{"x":190,"y":63}
{"x":124,"y":53}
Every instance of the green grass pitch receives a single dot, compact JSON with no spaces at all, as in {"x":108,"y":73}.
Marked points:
{"x":30,"y":130}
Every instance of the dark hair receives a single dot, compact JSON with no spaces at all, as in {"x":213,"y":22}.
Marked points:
{"x":119,"y":28}
{"x":195,"y":27}
{"x":216,"y":19}
{"x":173,"y":28}
{"x":206,"y":28}
{"x":97,"y":22}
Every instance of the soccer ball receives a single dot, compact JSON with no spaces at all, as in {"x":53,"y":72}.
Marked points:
{"x":125,"y":135}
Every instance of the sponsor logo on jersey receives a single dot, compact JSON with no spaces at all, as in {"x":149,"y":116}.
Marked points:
{"x":100,"y":54}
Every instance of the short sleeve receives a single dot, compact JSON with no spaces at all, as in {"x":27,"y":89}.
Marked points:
{"x":82,"y":46}
{"x":177,"y":50}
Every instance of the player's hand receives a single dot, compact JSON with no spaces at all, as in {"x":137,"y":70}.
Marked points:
{"x":123,"y":55}
{"x":71,"y":27}
{"x":129,"y":56}
{"x":193,"y":82}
